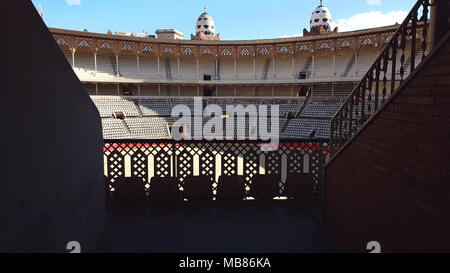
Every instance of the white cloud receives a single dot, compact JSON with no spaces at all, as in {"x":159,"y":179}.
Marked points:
{"x":370,"y":20}
{"x":373,"y":2}
{"x":73,"y":2}
{"x":291,"y":35}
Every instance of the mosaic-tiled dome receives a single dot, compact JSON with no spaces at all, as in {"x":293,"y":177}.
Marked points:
{"x":205,"y":24}
{"x":321,"y":17}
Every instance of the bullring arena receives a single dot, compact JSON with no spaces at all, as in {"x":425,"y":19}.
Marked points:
{"x":136,"y":81}
{"x":329,"y":141}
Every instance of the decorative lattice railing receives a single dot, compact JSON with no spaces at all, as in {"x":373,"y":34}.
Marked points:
{"x":404,"y":51}
{"x":144,"y":160}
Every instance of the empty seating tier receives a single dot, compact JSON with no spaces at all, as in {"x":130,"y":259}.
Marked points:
{"x":150,"y":117}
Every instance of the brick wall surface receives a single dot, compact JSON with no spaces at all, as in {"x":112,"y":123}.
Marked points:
{"x":391,"y":184}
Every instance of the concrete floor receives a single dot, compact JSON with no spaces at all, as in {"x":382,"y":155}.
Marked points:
{"x":213,"y":227}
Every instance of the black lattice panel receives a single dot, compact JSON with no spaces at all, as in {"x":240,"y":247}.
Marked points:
{"x":295,"y":161}
{"x":179,"y":159}
{"x":251,"y":164}
{"x":314,"y":163}
{"x":116,"y":165}
{"x":207,"y":163}
{"x":139,"y":164}
{"x":323,"y":153}
{"x":229,"y":160}
{"x":273,"y":163}
{"x":162,"y":160}
{"x":185,"y":162}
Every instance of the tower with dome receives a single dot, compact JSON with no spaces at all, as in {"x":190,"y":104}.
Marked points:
{"x":320,"y":22}
{"x":205,"y":28}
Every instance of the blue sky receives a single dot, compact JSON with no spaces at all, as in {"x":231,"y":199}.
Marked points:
{"x":234,"y":19}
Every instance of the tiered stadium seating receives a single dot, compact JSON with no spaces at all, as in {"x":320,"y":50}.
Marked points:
{"x":150,"y":117}
{"x":286,"y":108}
{"x":342,"y":90}
{"x":168,"y":69}
{"x":106,"y":64}
{"x":207,"y":67}
{"x":302,"y":64}
{"x":226,"y":69}
{"x":155,"y":110}
{"x":110,"y":105}
{"x":85,"y":61}
{"x":245,"y":69}
{"x":364,"y":60}
{"x":283,"y":69}
{"x":148,"y":67}
{"x":148,"y":128}
{"x":114,"y":129}
{"x":345,"y":65}
{"x":321,"y":110}
{"x":323,"y":90}
{"x":264,"y":69}
{"x":128,"y":66}
{"x":303,"y":128}
{"x":322,"y":107}
{"x":322,"y":67}
{"x":188,"y":69}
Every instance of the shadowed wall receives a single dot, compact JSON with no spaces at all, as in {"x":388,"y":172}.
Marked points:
{"x":392,"y":182}
{"x":51,"y":188}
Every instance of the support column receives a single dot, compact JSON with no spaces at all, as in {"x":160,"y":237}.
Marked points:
{"x":178,"y":68}
{"x":356,"y":62}
{"x":273,"y":90}
{"x":198,"y":90}
{"x":273,"y":68}
{"x":198,"y":76}
{"x":138,"y":66}
{"x":235,"y":91}
{"x":95,"y":61}
{"x":235,"y":69}
{"x":312,"y":68}
{"x":159,"y":90}
{"x":117,"y":64}
{"x":159,"y":72}
{"x":73,"y":57}
{"x":254,"y":68}
{"x":179,"y":90}
{"x":334,"y":65}
{"x":293,"y":67}
{"x":118,"y":89}
{"x":139,"y":89}
{"x":216,"y":71}
{"x":96,"y":88}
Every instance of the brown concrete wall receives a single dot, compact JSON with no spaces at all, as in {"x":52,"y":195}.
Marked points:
{"x":51,"y":188}
{"x":392,"y":183}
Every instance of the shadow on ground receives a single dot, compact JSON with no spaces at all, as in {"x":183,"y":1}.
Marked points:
{"x":247,"y":226}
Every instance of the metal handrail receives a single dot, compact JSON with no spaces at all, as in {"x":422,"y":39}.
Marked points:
{"x":366,"y":98}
